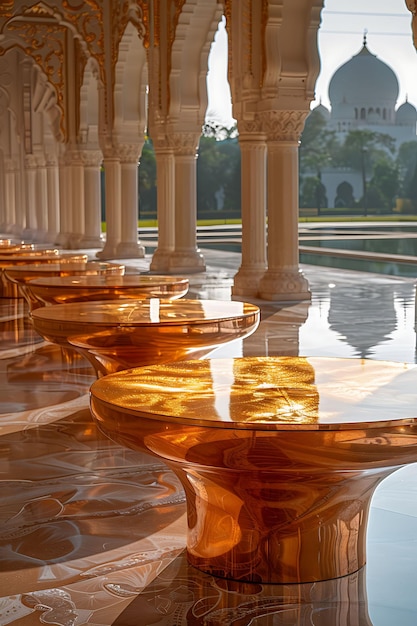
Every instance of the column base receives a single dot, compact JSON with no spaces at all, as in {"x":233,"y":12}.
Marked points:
{"x":188,"y":262}
{"x":76,"y":241}
{"x":130,"y":250}
{"x":92,"y":242}
{"x":161,"y":260}
{"x":109,"y":251}
{"x":284,"y":286}
{"x":246,"y":282}
{"x":50,"y":237}
{"x":34,"y":235}
{"x":63,"y":240}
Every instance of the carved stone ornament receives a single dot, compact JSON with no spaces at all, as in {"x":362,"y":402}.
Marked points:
{"x":31,"y":161}
{"x":11,"y":166}
{"x":412,"y":7}
{"x":184,"y":144}
{"x":284,"y":125}
{"x":91,"y":158}
{"x":250,"y":127}
{"x":283,"y":282}
{"x":128,"y":153}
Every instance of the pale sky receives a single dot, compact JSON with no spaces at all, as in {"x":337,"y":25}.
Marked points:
{"x":389,"y":37}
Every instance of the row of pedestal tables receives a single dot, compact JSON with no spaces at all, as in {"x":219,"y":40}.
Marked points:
{"x":278,"y":456}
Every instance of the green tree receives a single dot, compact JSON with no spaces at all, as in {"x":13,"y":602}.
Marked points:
{"x":411,"y":190}
{"x":312,"y":193}
{"x":147,"y":181}
{"x":385,"y":183}
{"x":407,"y":163}
{"x":363,"y":144}
{"x":317,"y":145}
{"x":218,"y":172}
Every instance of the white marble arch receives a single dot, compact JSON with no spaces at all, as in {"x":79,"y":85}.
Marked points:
{"x":91,"y":154}
{"x":165,"y":45}
{"x":122,"y":145}
{"x":275,"y":64}
{"x":176,"y":116}
{"x":29,"y":124}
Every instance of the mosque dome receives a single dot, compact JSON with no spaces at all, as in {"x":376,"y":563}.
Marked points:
{"x":364,"y":80}
{"x":322,"y":110}
{"x":406,"y":115}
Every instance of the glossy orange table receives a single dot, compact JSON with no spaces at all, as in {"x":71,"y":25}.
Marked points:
{"x":278,"y":456}
{"x":120,"y":334}
{"x":66,"y":289}
{"x":22,"y":275}
{"x":13,"y":248}
{"x":10,"y":290}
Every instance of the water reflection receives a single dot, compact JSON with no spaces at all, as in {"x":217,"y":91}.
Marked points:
{"x":375,"y":320}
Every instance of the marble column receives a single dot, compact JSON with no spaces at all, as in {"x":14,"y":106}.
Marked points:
{"x":9,"y":207}
{"x":129,"y":246}
{"x":165,"y":172}
{"x":20,"y":199}
{"x":253,"y":207}
{"x":77,"y":200}
{"x":186,"y":257}
{"x":65,"y":203}
{"x":283,"y":280}
{"x":30,"y":183}
{"x":41,"y":200}
{"x":113,"y":184}
{"x":52,"y":182}
{"x":92,"y":160}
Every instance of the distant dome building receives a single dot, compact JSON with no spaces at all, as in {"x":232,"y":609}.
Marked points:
{"x":363,"y":94}
{"x":406,"y":115}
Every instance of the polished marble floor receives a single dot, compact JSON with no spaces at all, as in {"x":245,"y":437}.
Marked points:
{"x":92,"y":533}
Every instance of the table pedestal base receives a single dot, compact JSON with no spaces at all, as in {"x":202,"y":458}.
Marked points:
{"x":293,"y":528}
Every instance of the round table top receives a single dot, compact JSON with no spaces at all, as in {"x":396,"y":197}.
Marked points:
{"x":150,"y":312}
{"x":96,"y":283}
{"x":17,"y":248}
{"x":103,"y":280}
{"x":25,"y":273}
{"x":265,"y":393}
{"x":40,"y":256}
{"x":24,"y":253}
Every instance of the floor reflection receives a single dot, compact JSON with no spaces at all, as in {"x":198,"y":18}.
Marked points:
{"x":93,"y":533}
{"x":182,"y":595}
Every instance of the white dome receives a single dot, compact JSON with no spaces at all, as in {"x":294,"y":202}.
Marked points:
{"x":364,"y":81}
{"x":322,"y":110}
{"x":406,"y":115}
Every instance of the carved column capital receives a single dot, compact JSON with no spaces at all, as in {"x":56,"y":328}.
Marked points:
{"x":31,"y":161}
{"x":184,"y":144}
{"x":51,"y":160}
{"x":128,"y":152}
{"x":10,"y":166}
{"x":91,"y":158}
{"x":251,"y":129}
{"x":283,"y":125}
{"x":70,"y":156}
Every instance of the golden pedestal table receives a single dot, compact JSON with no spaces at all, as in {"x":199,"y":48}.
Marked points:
{"x":121,"y":334}
{"x":9,"y":289}
{"x":22,"y":275}
{"x":66,"y":289}
{"x":278,"y":456}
